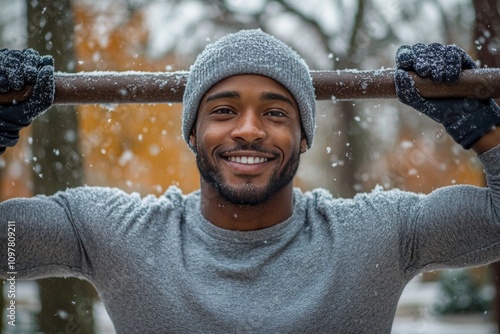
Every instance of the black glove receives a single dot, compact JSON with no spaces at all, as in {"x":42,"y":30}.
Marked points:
{"x":465,"y":119}
{"x":18,"y":69}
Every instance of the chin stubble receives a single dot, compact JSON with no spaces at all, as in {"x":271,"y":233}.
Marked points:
{"x":247,"y":194}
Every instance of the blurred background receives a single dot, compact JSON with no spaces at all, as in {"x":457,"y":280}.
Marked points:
{"x":359,"y":144}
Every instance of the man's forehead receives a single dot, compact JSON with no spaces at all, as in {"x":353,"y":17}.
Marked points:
{"x":232,"y":87}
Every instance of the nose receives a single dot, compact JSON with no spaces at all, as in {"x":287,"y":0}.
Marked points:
{"x":249,"y":128}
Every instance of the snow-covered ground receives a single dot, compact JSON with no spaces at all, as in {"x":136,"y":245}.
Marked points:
{"x":414,"y":314}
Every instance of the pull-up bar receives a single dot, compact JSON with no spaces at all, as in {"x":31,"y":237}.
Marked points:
{"x":168,"y":87}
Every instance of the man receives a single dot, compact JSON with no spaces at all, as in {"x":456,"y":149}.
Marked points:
{"x":247,"y":252}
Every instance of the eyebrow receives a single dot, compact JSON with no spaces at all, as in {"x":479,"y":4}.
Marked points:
{"x":223,"y":95}
{"x":268,"y":96}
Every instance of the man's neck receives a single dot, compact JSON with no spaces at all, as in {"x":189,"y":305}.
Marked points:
{"x":230,"y":216}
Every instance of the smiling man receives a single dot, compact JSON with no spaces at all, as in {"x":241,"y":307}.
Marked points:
{"x":248,"y":140}
{"x":248,"y":253}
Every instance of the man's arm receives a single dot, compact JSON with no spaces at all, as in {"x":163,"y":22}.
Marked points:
{"x":453,"y":226}
{"x":40,"y":230}
{"x":488,"y":141}
{"x":84,"y":231}
{"x":42,"y":237}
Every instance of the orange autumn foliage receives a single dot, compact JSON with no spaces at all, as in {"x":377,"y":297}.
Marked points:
{"x":423,"y":164}
{"x":133,"y":147}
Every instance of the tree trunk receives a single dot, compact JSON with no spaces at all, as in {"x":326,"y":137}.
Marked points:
{"x":66,"y":303}
{"x":351,"y":147}
{"x":487,"y":40}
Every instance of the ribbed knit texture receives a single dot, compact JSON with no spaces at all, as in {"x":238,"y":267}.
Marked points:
{"x":250,"y":52}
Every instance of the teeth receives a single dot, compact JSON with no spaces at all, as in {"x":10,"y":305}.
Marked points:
{"x":247,"y":160}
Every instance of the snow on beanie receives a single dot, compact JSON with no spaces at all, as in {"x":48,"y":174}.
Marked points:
{"x":250,"y":52}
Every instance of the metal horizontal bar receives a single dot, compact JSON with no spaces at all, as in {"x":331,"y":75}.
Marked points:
{"x":168,"y":87}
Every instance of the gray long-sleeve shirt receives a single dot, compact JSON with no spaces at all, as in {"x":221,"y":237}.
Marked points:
{"x":335,"y":266}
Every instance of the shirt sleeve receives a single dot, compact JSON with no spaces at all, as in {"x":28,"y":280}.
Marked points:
{"x":39,"y":233}
{"x":63,"y":234}
{"x":456,"y":226}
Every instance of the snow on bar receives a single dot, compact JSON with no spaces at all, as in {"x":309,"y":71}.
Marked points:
{"x":168,"y":87}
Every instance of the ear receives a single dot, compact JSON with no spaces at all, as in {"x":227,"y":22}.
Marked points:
{"x":303,"y":144}
{"x":192,"y":139}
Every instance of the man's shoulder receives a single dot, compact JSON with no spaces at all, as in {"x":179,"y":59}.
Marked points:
{"x":322,"y":199}
{"x":110,"y":196}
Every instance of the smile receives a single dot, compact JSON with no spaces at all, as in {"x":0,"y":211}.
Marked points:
{"x":247,"y":160}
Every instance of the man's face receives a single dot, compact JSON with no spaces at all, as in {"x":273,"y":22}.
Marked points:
{"x":248,"y":138}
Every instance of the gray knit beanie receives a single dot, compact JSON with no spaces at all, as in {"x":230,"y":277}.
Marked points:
{"x":250,"y":52}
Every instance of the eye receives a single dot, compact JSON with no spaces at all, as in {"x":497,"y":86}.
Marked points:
{"x":222,"y":111}
{"x":276,"y":113}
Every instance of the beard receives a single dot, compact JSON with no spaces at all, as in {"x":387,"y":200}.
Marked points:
{"x":248,"y":193}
